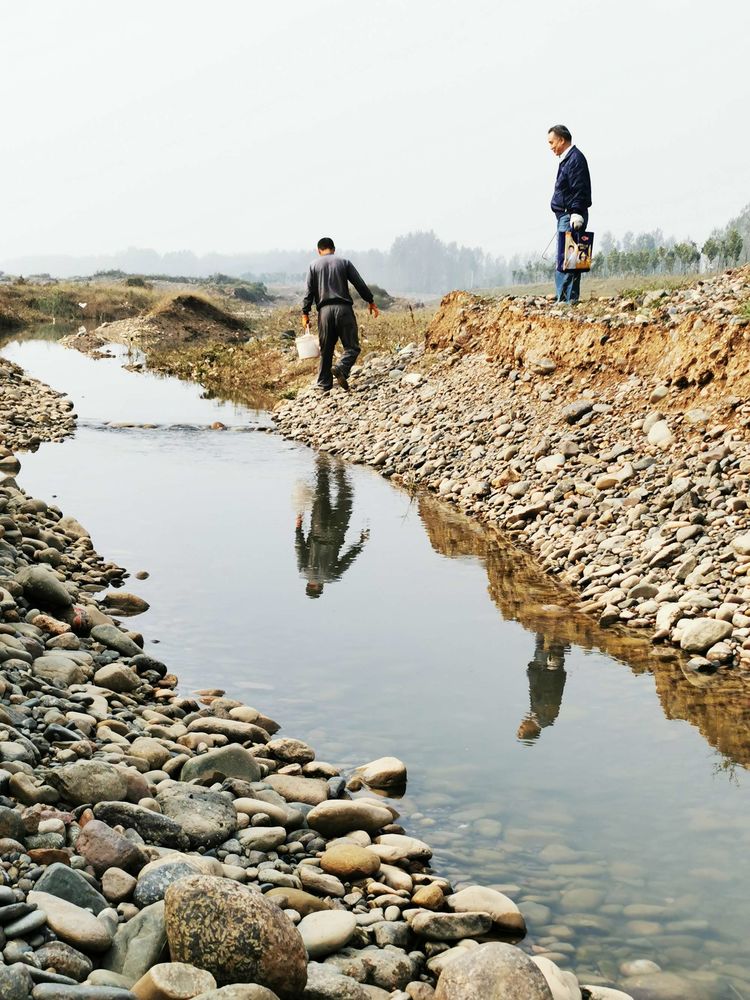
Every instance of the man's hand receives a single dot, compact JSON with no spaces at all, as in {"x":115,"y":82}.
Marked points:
{"x":373,"y":309}
{"x":576,"y":222}
{"x":305,"y":322}
{"x":298,"y":522}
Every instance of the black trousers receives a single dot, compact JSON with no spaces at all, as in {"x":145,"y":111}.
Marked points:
{"x":336,"y":322}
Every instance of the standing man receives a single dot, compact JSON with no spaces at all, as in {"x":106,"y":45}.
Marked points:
{"x":571,"y":202}
{"x":328,"y":286}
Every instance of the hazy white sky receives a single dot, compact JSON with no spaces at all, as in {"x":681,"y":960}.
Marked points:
{"x":245,"y":125}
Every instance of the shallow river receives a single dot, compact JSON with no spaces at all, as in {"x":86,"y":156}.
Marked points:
{"x":595,"y":783}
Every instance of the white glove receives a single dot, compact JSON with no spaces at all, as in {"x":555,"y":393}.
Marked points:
{"x":576,"y":222}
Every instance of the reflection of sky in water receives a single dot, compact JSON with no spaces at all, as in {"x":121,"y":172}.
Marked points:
{"x":404,"y":654}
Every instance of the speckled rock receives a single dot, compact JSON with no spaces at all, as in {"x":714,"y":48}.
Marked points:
{"x":234,"y":933}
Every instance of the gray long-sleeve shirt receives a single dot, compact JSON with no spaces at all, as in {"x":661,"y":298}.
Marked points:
{"x":328,"y":281}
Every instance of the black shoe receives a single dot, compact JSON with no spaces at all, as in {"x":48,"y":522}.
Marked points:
{"x":340,"y":378}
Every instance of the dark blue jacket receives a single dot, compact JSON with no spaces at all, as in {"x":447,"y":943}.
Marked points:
{"x":573,"y":185}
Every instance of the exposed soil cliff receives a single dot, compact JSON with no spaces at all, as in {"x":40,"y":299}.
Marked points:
{"x":696,"y":340}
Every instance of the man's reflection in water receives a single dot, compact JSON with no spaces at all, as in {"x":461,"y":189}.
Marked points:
{"x":319,"y":556}
{"x":546,"y":674}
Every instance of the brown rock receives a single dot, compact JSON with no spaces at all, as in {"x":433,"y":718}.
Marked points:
{"x":340,"y":816}
{"x":234,"y":933}
{"x":50,"y":855}
{"x":350,"y":862}
{"x":429,"y":897}
{"x":104,"y":848}
{"x":117,"y":885}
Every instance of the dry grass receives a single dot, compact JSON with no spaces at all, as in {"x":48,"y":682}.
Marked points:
{"x":25,"y":303}
{"x":592,"y":288}
{"x":266,"y":369}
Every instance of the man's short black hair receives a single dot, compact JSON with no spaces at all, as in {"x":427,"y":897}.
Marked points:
{"x":326,"y":243}
{"x":561,"y":131}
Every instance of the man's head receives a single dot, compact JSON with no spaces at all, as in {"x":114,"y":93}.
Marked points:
{"x":529,"y":730}
{"x":559,"y":138}
{"x":326,"y":245}
{"x":314,"y":588}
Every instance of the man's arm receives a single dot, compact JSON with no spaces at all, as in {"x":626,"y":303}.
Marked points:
{"x":301,"y":547}
{"x":309,"y":297}
{"x":580,"y":185}
{"x":351,"y":554}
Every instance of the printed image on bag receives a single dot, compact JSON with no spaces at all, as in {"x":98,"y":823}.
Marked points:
{"x":574,"y":251}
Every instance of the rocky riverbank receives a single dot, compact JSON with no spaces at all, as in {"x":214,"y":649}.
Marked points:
{"x":611,"y":442}
{"x":160,"y":846}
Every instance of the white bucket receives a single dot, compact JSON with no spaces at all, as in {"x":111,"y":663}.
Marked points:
{"x":308,"y":346}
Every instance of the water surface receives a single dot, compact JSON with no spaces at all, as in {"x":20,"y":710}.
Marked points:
{"x":544,"y":754}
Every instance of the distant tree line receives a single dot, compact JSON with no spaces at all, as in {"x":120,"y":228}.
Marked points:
{"x":417,"y":262}
{"x":653,"y":254}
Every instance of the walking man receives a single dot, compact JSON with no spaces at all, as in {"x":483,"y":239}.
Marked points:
{"x":571,"y":202}
{"x":328,"y":286}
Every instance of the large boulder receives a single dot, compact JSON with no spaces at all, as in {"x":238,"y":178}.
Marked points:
{"x":207,"y":818}
{"x":492,"y":971}
{"x":235,"y":934}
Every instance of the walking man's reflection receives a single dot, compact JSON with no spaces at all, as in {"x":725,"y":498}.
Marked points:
{"x":546,"y":674}
{"x":319,"y":557}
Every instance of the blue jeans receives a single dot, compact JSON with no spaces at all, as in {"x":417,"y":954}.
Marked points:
{"x":568,"y":285}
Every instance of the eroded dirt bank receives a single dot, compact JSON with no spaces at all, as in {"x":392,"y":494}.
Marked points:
{"x":611,"y":442}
